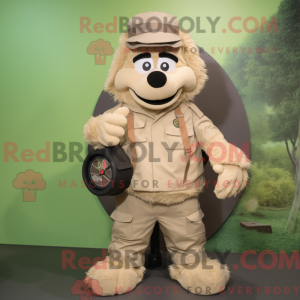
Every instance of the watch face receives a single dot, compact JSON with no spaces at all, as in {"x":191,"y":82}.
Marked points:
{"x":100,"y":172}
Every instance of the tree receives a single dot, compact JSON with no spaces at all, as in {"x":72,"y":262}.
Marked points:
{"x":278,"y":76}
{"x":283,"y":92}
{"x":273,"y":78}
{"x":294,"y":216}
{"x":284,"y":123}
{"x":272,"y":81}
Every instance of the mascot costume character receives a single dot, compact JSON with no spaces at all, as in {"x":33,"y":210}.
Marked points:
{"x":155,"y":73}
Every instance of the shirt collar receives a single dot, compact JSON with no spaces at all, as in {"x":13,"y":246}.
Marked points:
{"x":139,"y":109}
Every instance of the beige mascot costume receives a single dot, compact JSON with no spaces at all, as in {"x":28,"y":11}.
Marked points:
{"x":155,"y":73}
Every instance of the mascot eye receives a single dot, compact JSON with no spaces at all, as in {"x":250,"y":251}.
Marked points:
{"x":166,"y":64}
{"x":144,"y":65}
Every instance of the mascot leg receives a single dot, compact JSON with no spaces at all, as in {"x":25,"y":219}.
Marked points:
{"x":123,"y":269}
{"x":204,"y":278}
{"x":184,"y":233}
{"x":106,"y":278}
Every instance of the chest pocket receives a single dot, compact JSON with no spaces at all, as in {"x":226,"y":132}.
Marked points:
{"x":140,"y":133}
{"x":173,"y":135}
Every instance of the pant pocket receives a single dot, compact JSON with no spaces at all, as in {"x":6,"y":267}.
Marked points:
{"x":122,"y":224}
{"x":194,"y":224}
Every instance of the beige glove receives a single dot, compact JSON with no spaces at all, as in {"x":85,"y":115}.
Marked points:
{"x":111,"y":127}
{"x":231,"y":180}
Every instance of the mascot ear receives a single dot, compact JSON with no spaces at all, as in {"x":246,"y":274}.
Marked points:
{"x":118,"y":61}
{"x":191,"y":55}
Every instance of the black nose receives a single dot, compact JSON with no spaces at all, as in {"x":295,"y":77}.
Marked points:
{"x":157,"y":79}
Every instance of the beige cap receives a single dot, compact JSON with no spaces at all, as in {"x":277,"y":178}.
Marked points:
{"x":153,"y":29}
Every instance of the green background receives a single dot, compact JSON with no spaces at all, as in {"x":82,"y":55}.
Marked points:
{"x":49,"y":88}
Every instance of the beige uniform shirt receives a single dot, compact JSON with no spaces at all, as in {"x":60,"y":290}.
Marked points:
{"x":161,"y":155}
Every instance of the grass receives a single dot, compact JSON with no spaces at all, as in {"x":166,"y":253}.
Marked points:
{"x":231,"y":237}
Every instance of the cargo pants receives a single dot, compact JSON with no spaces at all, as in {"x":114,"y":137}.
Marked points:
{"x":181,"y":225}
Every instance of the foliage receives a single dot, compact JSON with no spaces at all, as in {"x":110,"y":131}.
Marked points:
{"x":269,"y":82}
{"x":272,"y":187}
{"x":271,"y":156}
{"x":269,"y":85}
{"x":278,"y":193}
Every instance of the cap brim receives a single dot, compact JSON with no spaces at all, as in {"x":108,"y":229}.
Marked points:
{"x":151,"y":39}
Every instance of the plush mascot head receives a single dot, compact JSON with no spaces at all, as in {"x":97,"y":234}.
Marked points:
{"x":156,"y":65}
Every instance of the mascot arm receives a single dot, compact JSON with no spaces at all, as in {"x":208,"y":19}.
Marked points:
{"x":230,"y":162}
{"x":105,"y":130}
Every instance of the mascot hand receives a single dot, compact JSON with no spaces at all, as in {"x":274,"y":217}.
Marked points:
{"x":231,"y":180}
{"x":111,"y":127}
